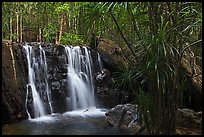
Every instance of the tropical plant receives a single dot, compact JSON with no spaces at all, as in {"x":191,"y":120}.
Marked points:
{"x":147,"y":111}
{"x":158,"y":54}
{"x":124,"y":79}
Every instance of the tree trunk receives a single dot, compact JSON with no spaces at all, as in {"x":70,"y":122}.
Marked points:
{"x":69,"y":22}
{"x":29,"y":19}
{"x":17,"y":29}
{"x":57,"y":36}
{"x":128,"y":44}
{"x":40,"y":34}
{"x":79,"y":21}
{"x":65,"y":23}
{"x":75,"y":19}
{"x":136,"y":29}
{"x":61,"y":24}
{"x":71,"y":18}
{"x":21,"y":28}
{"x":75,"y":24}
{"x":11,"y":31}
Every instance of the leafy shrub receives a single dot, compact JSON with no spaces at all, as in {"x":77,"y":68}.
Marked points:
{"x":49,"y":33}
{"x":71,"y":39}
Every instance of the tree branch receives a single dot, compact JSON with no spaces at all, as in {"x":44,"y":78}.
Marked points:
{"x":128,"y":44}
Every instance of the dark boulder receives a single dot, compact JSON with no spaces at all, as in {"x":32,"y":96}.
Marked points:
{"x":107,"y":60}
{"x":124,"y":116}
{"x":189,"y":118}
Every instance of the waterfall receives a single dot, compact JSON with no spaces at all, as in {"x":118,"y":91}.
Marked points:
{"x":43,"y":62}
{"x":39,"y":110}
{"x":79,"y":77}
{"x":78,"y":93}
{"x":37,"y":83}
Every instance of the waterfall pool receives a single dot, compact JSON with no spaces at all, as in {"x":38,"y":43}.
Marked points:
{"x":84,"y":119}
{"x":82,"y":122}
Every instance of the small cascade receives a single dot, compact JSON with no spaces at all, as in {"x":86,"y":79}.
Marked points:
{"x":100,"y":62}
{"x":37,"y":103}
{"x":37,"y":87}
{"x":43,"y":63}
{"x":79,"y":77}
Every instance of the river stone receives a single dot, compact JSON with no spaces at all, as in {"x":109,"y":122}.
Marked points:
{"x":130,"y":120}
{"x":189,"y":118}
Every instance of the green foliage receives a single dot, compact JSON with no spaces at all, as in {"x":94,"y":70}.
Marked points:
{"x":14,"y":36}
{"x":182,"y":88}
{"x":62,"y":8}
{"x":92,"y":20}
{"x":147,"y":110}
{"x":71,"y":39}
{"x":124,"y":77}
{"x":158,"y":58}
{"x":49,"y":33}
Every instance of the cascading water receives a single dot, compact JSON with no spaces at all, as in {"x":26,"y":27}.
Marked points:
{"x":79,"y":81}
{"x":37,"y":104}
{"x":37,"y":83}
{"x":100,"y":63}
{"x":79,"y":78}
{"x":43,"y":62}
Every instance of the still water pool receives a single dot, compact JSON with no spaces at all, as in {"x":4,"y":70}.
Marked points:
{"x":69,"y":123}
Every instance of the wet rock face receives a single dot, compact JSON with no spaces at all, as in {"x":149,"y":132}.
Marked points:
{"x":57,"y":75}
{"x":105,"y":94}
{"x":57,"y":78}
{"x":108,"y":62}
{"x":13,"y":107}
